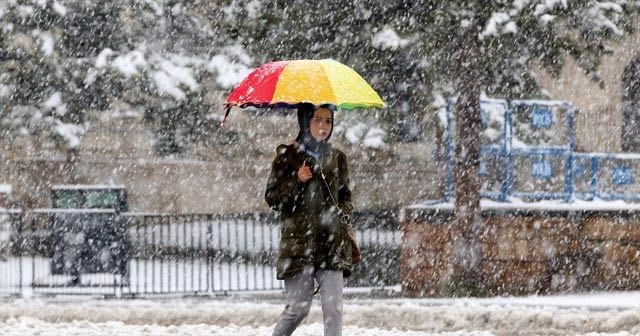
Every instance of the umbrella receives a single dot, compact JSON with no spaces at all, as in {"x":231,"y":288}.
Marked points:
{"x":289,"y":83}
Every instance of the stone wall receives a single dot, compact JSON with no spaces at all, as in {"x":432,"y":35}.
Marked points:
{"x":527,"y":252}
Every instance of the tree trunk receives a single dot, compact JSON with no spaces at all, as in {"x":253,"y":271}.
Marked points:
{"x":467,"y":251}
{"x":631,"y":106}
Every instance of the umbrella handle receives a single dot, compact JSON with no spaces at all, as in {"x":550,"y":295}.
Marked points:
{"x":225,"y":116}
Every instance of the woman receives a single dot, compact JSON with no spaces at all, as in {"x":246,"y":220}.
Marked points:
{"x":309,"y":186}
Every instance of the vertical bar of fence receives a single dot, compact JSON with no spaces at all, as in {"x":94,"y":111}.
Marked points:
{"x":152,"y":250}
{"x":254,"y":248}
{"x":201,"y":235}
{"x":263,"y":254}
{"x":245,"y":224}
{"x":138,"y":255}
{"x":237,"y":252}
{"x":505,"y":153}
{"x":153,"y":254}
{"x":219,"y":251}
{"x":228,"y":246}
{"x":161,"y":224}
{"x":509,"y":147}
{"x":183,"y":255}
{"x":271,"y":243}
{"x":20,"y":239}
{"x":209,"y":254}
{"x":172,"y":257}
{"x":448,"y":154}
{"x":192,"y":248}
{"x":569,"y":156}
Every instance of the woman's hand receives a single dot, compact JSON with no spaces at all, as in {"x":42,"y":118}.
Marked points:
{"x":304,"y":173}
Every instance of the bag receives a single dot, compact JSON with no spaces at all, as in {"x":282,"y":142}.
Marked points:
{"x":350,"y":236}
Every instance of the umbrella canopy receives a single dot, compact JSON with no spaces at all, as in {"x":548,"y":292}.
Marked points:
{"x":289,"y":83}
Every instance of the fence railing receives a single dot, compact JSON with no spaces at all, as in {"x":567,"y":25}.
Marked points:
{"x":528,"y":152}
{"x":103,"y":252}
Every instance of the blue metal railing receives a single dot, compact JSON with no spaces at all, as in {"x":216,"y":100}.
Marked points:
{"x":546,"y":167}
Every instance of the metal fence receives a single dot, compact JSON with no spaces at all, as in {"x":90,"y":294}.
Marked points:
{"x":53,"y":251}
{"x":528,"y":152}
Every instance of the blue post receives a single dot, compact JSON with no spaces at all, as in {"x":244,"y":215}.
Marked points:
{"x":569,"y":157}
{"x":505,"y":153}
{"x":594,"y":178}
{"x":509,"y":147}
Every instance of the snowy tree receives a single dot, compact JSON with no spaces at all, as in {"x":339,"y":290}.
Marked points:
{"x":38,"y":82}
{"x":62,"y":60}
{"x":494,"y":47}
{"x":361,"y":34}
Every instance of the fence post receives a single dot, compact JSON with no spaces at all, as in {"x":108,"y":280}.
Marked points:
{"x":594,"y":177}
{"x":209,"y":254}
{"x":19,"y":226}
{"x":569,"y":157}
{"x":506,"y":154}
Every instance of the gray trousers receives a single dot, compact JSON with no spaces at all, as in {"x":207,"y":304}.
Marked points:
{"x":299,"y":291}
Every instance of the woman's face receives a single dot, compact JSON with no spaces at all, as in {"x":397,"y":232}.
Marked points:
{"x":321,"y":124}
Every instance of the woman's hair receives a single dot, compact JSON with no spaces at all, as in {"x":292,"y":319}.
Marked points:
{"x":305,"y":114}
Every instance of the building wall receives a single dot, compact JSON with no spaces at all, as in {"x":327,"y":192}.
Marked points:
{"x":229,"y":178}
{"x":598,"y":121}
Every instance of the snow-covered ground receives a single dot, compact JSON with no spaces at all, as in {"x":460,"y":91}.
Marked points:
{"x":588,"y":314}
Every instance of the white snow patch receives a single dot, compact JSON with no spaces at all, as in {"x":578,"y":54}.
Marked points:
{"x":54,"y":102}
{"x":253,"y":8}
{"x":5,"y":189}
{"x":165,"y":84}
{"x":70,"y":132}
{"x":230,"y":73}
{"x":510,"y":27}
{"x":90,"y":78}
{"x":374,"y":138}
{"x":598,"y":16}
{"x":546,"y":18}
{"x":237,"y":51}
{"x":180,"y":75}
{"x":355,"y":133}
{"x":156,"y":6}
{"x":549,"y":5}
{"x":47,"y":41}
{"x":129,"y":63}
{"x":25,"y":11}
{"x":497,"y":20}
{"x":102,"y":60}
{"x":364,"y":134}
{"x":518,"y":5}
{"x":613,"y":313}
{"x":387,"y":38}
{"x":59,"y":8}
{"x":546,"y":205}
{"x":4,"y":90}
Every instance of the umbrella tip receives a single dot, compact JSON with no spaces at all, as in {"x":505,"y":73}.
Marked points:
{"x":224,"y":119}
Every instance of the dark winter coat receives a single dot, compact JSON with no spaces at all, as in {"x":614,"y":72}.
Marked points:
{"x":310,"y":230}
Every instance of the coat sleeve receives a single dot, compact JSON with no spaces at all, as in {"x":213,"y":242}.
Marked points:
{"x":283,"y":186}
{"x":344,"y":189}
